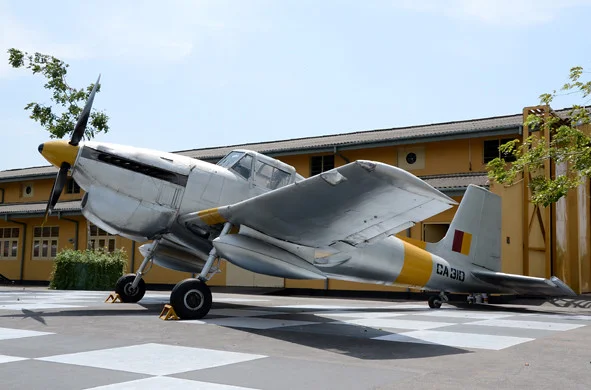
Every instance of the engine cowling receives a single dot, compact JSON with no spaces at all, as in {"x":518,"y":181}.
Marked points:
{"x":124,"y":215}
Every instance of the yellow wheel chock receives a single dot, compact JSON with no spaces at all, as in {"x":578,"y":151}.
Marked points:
{"x":113,"y":298}
{"x":168,"y":313}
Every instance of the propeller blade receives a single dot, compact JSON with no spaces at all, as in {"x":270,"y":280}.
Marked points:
{"x":58,"y":186}
{"x":78,"y":132}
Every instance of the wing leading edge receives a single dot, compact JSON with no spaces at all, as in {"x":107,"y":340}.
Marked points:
{"x":358,"y":203}
{"x":526,"y":285}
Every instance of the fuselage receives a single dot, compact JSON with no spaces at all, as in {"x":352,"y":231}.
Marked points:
{"x":401,"y":262}
{"x":140,"y":194}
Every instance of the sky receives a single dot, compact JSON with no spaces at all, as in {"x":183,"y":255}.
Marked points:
{"x":180,"y":75}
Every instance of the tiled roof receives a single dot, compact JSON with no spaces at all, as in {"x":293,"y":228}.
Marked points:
{"x":72,"y":206}
{"x":458,"y":181}
{"x":368,"y":137}
{"x":24,"y":173}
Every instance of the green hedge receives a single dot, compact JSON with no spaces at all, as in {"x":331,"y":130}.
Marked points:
{"x":87,"y":270}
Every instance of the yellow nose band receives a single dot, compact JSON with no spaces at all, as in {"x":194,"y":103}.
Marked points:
{"x":58,"y":152}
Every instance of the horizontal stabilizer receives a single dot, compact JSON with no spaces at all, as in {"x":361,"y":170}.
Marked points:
{"x":526,"y":285}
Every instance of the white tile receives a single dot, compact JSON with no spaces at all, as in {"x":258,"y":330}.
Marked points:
{"x":359,"y":314}
{"x":250,"y":322}
{"x":162,"y":382}
{"x":46,"y":301}
{"x":243,"y":312}
{"x":559,"y":316}
{"x":455,"y":339}
{"x":464,"y":314}
{"x":8,"y":359}
{"x":153,"y":359}
{"x":406,"y":306}
{"x":527,"y":324}
{"x":320,"y":307}
{"x":8,"y":333}
{"x":155,"y":295}
{"x":36,"y":306}
{"x":394,"y":323}
{"x":238,"y":300}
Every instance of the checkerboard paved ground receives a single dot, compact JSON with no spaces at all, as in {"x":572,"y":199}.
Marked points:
{"x":36,"y":338}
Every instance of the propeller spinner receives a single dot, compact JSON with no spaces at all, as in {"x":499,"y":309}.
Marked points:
{"x":63,"y":154}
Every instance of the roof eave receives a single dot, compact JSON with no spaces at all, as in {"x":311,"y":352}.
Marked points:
{"x":25,"y":178}
{"x":36,"y":214}
{"x":330,"y":148}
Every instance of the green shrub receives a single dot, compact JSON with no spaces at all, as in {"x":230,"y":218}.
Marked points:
{"x":87,"y":270}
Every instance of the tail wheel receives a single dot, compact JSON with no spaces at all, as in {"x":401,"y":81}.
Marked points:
{"x":128,"y":294}
{"x":434,"y":302}
{"x":191,"y":299}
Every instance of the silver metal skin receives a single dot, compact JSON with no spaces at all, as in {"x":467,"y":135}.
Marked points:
{"x":339,"y":224}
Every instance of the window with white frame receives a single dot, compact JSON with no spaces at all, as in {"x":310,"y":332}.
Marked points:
{"x":9,"y":239}
{"x":45,"y":240}
{"x":100,"y":239}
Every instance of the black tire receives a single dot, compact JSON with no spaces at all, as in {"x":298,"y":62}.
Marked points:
{"x":434,"y":302}
{"x":191,"y":299}
{"x":127,"y":294}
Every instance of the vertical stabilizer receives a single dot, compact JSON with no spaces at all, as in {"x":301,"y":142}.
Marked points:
{"x":475,"y":233}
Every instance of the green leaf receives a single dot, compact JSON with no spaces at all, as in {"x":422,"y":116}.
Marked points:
{"x":59,"y":118}
{"x":569,"y":148}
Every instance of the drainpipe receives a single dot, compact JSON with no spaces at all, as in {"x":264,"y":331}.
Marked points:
{"x":24,"y":246}
{"x":336,"y":152}
{"x":77,"y":223}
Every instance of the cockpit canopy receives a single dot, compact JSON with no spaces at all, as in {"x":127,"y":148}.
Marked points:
{"x":263,"y":171}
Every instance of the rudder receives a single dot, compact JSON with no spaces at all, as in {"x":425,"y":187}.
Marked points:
{"x":475,"y":232}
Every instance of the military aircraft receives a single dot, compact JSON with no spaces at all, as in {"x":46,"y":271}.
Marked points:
{"x":259,"y":214}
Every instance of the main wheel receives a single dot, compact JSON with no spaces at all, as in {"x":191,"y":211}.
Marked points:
{"x":125,"y":290}
{"x":191,"y":299}
{"x":434,"y":302}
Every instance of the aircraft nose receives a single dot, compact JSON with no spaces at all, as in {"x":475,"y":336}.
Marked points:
{"x":58,"y":152}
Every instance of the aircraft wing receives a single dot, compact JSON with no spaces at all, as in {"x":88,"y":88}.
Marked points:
{"x":526,"y":285}
{"x":357,"y":204}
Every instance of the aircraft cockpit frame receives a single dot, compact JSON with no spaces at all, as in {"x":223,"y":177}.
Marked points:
{"x":258,"y":169}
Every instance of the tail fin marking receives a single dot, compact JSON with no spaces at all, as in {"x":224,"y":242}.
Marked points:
{"x":474,"y":235}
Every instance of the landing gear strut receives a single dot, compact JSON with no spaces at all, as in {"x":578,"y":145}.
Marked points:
{"x":131,"y":287}
{"x":191,"y":298}
{"x":477,"y":298}
{"x":436,"y":301}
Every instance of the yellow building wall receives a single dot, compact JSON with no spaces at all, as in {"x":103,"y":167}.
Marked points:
{"x":40,"y":269}
{"x":11,"y":268}
{"x":443,"y":157}
{"x":511,"y":228}
{"x":584,"y":236}
{"x":14,"y":192}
